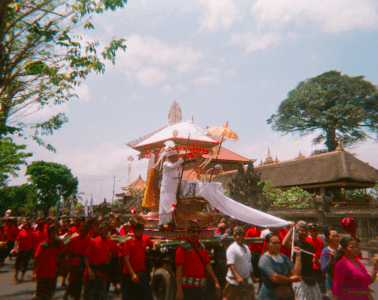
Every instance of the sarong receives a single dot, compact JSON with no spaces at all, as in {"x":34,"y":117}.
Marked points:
{"x":45,"y":287}
{"x":96,"y":289}
{"x":303,"y":291}
{"x":75,"y":282}
{"x":165,"y":207}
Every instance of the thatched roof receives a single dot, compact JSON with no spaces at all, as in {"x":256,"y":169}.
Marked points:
{"x":338,"y":168}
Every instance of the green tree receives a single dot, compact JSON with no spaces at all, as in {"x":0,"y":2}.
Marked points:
{"x":295,"y":197}
{"x":11,"y":157}
{"x":341,"y":107}
{"x":53,"y":182}
{"x":42,"y":58}
{"x":20,"y":199}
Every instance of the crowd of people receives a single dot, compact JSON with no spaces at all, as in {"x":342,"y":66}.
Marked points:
{"x":86,"y":255}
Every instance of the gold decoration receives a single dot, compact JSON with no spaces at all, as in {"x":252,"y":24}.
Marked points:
{"x":300,"y":155}
{"x":269,"y":159}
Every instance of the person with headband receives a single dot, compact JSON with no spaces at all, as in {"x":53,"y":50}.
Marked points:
{"x":45,"y":264}
{"x":168,"y":189}
{"x":77,"y":247}
{"x":24,"y":243}
{"x":308,"y":288}
{"x":192,"y":263}
{"x":351,"y":280}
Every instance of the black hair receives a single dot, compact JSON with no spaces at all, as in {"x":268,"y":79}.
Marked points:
{"x":343,"y":243}
{"x":269,"y":236}
{"x":138,"y":226}
{"x":327,"y":232}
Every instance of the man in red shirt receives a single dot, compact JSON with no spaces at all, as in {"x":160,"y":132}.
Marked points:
{"x":40,"y":234}
{"x":77,"y":226}
{"x":125,"y":229}
{"x":192,"y":261}
{"x":12,"y":233}
{"x":318,"y":245}
{"x":96,"y":258}
{"x":78,"y":246}
{"x":256,"y":251}
{"x":95,"y":230}
{"x":24,"y":244}
{"x":134,"y":271}
{"x":282,"y":232}
{"x":3,"y":244}
{"x":45,"y":264}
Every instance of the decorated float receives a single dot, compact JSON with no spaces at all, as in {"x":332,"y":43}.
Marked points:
{"x":201,"y":200}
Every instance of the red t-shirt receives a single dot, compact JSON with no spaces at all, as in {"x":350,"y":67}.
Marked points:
{"x":318,"y":245}
{"x":193,"y":266}
{"x":76,"y":228}
{"x":123,"y":231}
{"x":113,"y":231}
{"x":98,"y":250}
{"x":281,"y":235}
{"x":255,"y":233}
{"x":47,"y":260}
{"x":137,"y":251}
{"x":78,"y":246}
{"x":25,"y":238}
{"x":38,"y":237}
{"x":3,"y":236}
{"x":46,"y":226}
{"x":12,"y":233}
{"x":93,"y":234}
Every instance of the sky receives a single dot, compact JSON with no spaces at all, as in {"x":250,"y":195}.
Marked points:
{"x":221,"y":60}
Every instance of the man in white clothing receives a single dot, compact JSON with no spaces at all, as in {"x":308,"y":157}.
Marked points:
{"x":168,"y":189}
{"x":239,"y":284}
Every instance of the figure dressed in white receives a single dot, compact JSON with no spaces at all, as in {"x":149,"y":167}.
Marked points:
{"x":168,"y":189}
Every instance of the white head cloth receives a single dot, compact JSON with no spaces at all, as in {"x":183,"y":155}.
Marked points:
{"x":171,"y":152}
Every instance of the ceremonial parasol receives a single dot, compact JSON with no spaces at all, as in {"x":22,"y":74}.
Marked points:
{"x":221,"y":134}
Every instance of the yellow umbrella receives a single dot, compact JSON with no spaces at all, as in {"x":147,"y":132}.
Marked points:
{"x":222,"y":133}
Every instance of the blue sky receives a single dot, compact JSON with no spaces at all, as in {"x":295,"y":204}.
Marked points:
{"x":221,"y":60}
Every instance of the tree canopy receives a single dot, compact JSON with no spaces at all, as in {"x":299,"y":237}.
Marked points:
{"x":21,"y":199}
{"x":11,"y":157}
{"x":42,"y":59}
{"x":53,"y":182}
{"x":341,"y":107}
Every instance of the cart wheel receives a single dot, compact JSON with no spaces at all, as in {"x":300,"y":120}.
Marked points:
{"x":163,"y":285}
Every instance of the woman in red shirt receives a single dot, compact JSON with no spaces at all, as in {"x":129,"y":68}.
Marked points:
{"x":24,"y":244}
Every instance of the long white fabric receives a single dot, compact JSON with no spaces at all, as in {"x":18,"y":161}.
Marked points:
{"x":213,"y":192}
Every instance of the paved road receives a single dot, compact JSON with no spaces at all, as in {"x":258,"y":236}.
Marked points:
{"x":12,"y":290}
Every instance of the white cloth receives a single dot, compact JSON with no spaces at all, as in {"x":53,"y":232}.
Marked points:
{"x":303,"y":291}
{"x":165,"y":207}
{"x":170,"y":178}
{"x":168,"y":190}
{"x":240,"y":257}
{"x":213,"y":192}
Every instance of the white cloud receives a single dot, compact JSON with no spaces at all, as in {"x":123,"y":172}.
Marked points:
{"x":220,"y":13}
{"x":181,"y":87}
{"x":166,"y":88}
{"x":95,"y":169}
{"x":206,"y":80}
{"x":252,"y":42}
{"x":82,"y":92}
{"x":213,"y":71}
{"x":148,"y":77}
{"x":151,"y":51}
{"x":333,"y":16}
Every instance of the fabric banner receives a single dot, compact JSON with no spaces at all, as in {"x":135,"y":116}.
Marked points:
{"x":86,"y":208}
{"x":213,"y":192}
{"x":91,"y":207}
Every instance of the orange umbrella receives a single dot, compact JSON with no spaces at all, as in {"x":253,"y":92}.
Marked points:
{"x":222,"y":133}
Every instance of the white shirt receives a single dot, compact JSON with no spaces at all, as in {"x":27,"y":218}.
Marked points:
{"x":240,"y":257}
{"x":170,"y":178}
